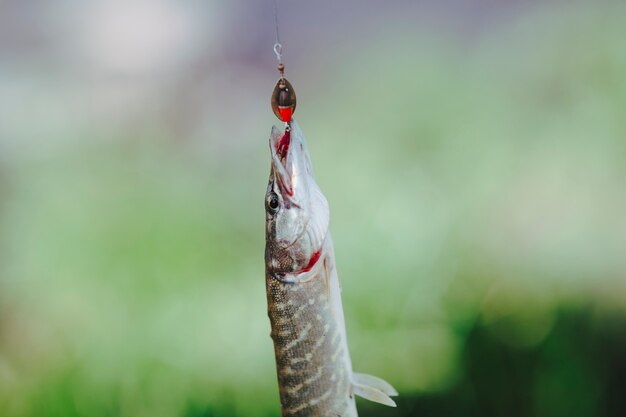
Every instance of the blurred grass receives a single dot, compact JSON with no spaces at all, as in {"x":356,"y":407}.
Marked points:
{"x":476,"y":188}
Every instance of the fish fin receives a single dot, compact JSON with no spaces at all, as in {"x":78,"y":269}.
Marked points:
{"x":373,"y":389}
{"x":374,"y":382}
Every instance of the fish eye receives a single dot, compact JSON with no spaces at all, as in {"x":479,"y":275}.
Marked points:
{"x":272,"y":203}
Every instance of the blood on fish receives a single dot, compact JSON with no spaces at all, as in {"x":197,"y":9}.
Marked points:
{"x":314,"y":258}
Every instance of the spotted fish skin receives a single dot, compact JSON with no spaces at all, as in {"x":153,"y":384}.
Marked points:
{"x":315,"y":375}
{"x":313,"y":365}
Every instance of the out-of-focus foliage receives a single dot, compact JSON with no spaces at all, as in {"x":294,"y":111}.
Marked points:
{"x":473,"y":157}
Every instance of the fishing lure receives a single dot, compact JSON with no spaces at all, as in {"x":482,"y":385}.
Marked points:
{"x":315,"y":376}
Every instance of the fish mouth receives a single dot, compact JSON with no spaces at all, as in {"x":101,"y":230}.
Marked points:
{"x":290,"y":160}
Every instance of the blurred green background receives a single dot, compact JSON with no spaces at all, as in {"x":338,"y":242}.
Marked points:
{"x":473,"y":154}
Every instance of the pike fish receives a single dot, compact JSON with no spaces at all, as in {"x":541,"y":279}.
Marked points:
{"x":315,"y":375}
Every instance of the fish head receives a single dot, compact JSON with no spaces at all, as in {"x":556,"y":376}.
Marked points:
{"x":297,"y":213}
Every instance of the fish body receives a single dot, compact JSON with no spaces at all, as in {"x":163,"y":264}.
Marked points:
{"x":314,"y":370}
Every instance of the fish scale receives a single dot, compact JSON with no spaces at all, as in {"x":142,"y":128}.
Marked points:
{"x":309,"y":349}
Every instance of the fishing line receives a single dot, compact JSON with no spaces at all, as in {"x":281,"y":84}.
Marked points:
{"x":278,"y":47}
